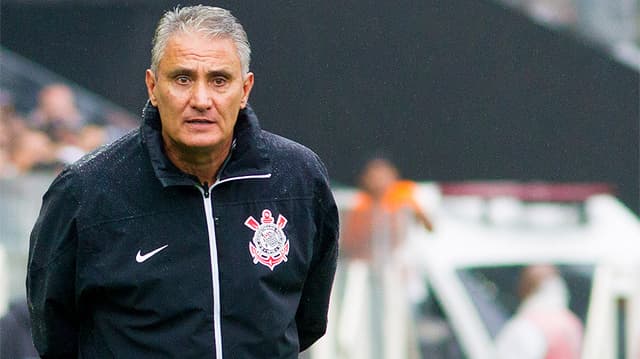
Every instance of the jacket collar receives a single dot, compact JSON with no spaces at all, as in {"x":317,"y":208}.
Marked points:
{"x":248,"y":156}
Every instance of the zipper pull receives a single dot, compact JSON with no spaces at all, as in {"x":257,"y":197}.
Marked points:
{"x":205,"y":187}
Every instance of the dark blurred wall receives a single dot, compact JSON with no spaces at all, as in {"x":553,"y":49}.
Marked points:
{"x":450,"y":89}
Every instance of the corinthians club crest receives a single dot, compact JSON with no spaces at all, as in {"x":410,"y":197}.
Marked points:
{"x":269,"y":245}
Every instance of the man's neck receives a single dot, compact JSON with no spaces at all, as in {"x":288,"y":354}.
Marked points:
{"x":203,"y":164}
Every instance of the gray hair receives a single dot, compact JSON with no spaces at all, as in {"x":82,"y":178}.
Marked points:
{"x":211,"y":21}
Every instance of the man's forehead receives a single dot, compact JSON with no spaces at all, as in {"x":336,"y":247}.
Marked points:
{"x":190,"y":39}
{"x":199,"y":47}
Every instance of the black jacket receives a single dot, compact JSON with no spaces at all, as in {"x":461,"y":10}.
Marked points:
{"x":132,"y":258}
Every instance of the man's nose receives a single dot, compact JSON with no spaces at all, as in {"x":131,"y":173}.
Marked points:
{"x":201,"y":97}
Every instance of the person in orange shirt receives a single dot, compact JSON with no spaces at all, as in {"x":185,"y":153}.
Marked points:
{"x":375,"y":320}
{"x":381,"y":209}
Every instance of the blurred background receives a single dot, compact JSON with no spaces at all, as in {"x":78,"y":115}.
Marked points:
{"x":458,"y":89}
{"x":541,"y":93}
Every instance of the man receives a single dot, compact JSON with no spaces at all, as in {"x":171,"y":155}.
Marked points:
{"x":199,"y":235}
{"x":543,"y":327}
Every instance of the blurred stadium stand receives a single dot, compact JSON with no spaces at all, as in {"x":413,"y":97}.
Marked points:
{"x":23,"y":79}
{"x":450,"y":90}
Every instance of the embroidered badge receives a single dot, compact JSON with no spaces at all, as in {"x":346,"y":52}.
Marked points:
{"x":269,"y":245}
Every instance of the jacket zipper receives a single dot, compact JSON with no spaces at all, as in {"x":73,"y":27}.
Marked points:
{"x":213,"y":253}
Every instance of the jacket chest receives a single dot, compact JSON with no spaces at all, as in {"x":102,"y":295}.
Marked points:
{"x":261,"y":246}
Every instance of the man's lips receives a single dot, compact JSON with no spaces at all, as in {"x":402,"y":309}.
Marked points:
{"x":200,"y":121}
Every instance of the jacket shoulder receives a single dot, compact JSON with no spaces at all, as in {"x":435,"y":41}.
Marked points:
{"x":295,"y":164}
{"x":107,"y":156}
{"x":282,"y":149}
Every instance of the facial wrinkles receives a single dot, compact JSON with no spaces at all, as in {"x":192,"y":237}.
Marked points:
{"x":203,"y":67}
{"x":194,"y":56}
{"x":202,"y":62}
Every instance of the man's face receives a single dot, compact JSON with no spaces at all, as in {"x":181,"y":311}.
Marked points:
{"x":199,"y":89}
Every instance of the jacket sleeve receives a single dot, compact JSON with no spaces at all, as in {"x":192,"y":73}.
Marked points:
{"x":51,"y":272}
{"x":311,"y":317}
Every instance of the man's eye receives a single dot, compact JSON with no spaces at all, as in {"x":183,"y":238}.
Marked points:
{"x":219,"y":81}
{"x":182,"y":80}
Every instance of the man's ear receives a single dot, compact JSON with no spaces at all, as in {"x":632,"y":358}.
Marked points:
{"x":150,"y":81}
{"x":246,"y":89}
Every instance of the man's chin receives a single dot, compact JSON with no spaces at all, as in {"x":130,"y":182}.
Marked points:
{"x":204,"y":146}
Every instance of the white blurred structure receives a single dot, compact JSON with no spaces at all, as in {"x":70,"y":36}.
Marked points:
{"x":500,"y":227}
{"x":20,"y":201}
{"x":4,"y":282}
{"x":611,"y":24}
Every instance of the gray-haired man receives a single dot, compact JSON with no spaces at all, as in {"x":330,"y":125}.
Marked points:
{"x":199,"y":235}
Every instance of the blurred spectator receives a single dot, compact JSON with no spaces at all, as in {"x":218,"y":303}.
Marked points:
{"x":375,"y":320}
{"x":12,"y":126}
{"x":543,"y":326}
{"x":56,"y":112}
{"x":92,"y":137}
{"x":58,"y":117}
{"x":54,"y":135}
{"x":33,"y":150}
{"x":381,"y":207}
{"x":15,"y":333}
{"x":81,"y":142}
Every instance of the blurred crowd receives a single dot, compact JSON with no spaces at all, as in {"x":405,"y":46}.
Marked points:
{"x":53,"y":134}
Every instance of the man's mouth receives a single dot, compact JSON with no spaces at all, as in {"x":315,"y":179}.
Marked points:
{"x":199,"y":121}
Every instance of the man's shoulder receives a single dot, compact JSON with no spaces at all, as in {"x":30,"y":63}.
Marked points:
{"x":291,"y":157}
{"x":112,"y":161}
{"x":284,"y":149}
{"x":109,"y":155}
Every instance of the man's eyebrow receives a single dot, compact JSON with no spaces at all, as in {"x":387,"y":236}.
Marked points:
{"x":185,"y":71}
{"x":219,"y":73}
{"x":180,"y":71}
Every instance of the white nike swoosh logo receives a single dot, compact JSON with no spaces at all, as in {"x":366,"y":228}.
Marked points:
{"x":141,"y":258}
